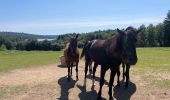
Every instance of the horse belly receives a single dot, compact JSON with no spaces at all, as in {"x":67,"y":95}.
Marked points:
{"x":98,"y":56}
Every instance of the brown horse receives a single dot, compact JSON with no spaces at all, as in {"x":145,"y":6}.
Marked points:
{"x":71,"y":54}
{"x":111,"y":53}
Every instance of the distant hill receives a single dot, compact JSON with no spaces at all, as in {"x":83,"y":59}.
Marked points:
{"x":16,"y":35}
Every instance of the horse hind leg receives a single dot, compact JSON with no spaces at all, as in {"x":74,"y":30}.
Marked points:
{"x":123,"y":65}
{"x":102,"y":74}
{"x":112,"y":75}
{"x":90,"y":67}
{"x":77,"y":70}
{"x":127,"y":75}
{"x":94,"y":71}
{"x":118,"y":76}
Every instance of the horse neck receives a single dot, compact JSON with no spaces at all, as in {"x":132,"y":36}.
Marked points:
{"x":114,"y":45}
{"x":74,"y":50}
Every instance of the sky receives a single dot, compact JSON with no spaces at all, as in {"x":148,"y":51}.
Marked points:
{"x":53,"y":17}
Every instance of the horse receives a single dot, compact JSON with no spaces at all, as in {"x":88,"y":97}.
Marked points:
{"x":86,"y":54}
{"x":110,"y":53}
{"x":71,"y":54}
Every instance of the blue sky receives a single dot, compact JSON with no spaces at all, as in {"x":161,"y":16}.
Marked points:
{"x":65,"y":16}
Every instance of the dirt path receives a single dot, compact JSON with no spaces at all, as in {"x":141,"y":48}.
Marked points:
{"x":49,"y":82}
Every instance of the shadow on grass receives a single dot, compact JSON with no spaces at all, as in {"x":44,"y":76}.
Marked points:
{"x":122,"y":93}
{"x":65,"y":86}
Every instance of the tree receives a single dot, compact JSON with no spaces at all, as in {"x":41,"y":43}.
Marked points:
{"x":7,"y":42}
{"x":2,"y":47}
{"x":20,"y":45}
{"x":167,"y":30}
{"x":142,"y":37}
{"x":31,"y":45}
{"x":159,"y":29}
{"x":151,"y":36}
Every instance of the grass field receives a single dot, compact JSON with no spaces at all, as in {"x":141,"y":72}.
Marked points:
{"x":153,"y":63}
{"x":154,"y":66}
{"x":20,"y":59}
{"x":37,"y":77}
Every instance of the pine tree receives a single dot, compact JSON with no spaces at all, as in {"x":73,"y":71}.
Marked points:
{"x":167,"y":30}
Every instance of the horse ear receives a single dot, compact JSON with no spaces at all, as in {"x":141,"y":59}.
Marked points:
{"x":139,"y":30}
{"x":77,"y":36}
{"x":120,"y":32}
{"x":70,"y":36}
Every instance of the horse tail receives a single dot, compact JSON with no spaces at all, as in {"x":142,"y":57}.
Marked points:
{"x":83,"y":51}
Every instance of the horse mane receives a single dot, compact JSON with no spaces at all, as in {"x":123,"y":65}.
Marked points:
{"x":66,"y":45}
{"x":130,"y":28}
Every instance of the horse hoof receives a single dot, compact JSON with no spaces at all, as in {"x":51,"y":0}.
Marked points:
{"x":110,"y":98}
{"x":99,"y":98}
{"x":126,"y":86}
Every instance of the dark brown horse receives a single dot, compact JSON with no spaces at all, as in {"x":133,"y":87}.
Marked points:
{"x":112,"y":52}
{"x":71,"y":54}
{"x":85,"y":53}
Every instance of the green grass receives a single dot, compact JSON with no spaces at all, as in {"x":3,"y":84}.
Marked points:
{"x":21,"y":59}
{"x":152,"y":61}
{"x":154,"y":58}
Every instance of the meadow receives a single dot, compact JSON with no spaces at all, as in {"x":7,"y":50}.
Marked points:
{"x":35,"y":75}
{"x":10,"y":60}
{"x":154,"y":66}
{"x":153,"y":63}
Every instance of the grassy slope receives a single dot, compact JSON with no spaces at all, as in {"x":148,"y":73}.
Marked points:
{"x":19,"y":59}
{"x":152,"y":63}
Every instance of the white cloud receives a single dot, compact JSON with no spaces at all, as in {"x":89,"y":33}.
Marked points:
{"x":81,"y":24}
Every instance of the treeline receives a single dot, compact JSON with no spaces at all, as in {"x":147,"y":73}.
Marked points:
{"x":150,"y":36}
{"x":21,"y":35}
{"x":155,"y":36}
{"x":30,"y":44}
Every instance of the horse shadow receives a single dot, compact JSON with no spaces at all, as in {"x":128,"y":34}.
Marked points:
{"x":88,"y":95}
{"x":65,"y":86}
{"x":61,"y":66}
{"x":97,"y":79}
{"x":122,"y":93}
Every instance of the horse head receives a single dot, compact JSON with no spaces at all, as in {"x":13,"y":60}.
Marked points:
{"x":129,"y":39}
{"x":73,"y":43}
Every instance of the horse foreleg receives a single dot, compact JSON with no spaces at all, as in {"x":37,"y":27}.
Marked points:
{"x":102,"y":74}
{"x":68,"y":65}
{"x":71,"y":68}
{"x":112,"y":75}
{"x":123,"y":65}
{"x":77,"y":70}
{"x":127,"y":74}
{"x":90,"y":67}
